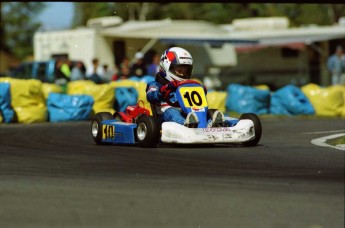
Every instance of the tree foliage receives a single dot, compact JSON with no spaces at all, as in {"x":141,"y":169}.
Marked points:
{"x":18,"y":23}
{"x":83,"y":11}
{"x":219,"y":13}
{"x":18,"y":26}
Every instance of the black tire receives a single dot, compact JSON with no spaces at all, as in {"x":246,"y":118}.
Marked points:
{"x":257,"y":128}
{"x":117,"y":116}
{"x":96,"y":126}
{"x":147,"y":132}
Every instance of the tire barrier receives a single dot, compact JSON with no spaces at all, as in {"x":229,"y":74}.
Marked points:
{"x":145,"y":79}
{"x":246,"y":99}
{"x":6,"y":111}
{"x":30,"y":100}
{"x":217,"y":100}
{"x":48,"y":88}
{"x":290,"y":100}
{"x":125,"y":96}
{"x":103,"y":94}
{"x":327,"y":101}
{"x":63,"y":107}
{"x":27,"y":100}
{"x":139,"y":86}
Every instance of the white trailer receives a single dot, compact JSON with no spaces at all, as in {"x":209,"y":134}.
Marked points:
{"x":109,"y":40}
{"x":213,"y":47}
{"x":79,"y":44}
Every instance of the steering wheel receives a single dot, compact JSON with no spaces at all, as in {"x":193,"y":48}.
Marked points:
{"x":176,"y":104}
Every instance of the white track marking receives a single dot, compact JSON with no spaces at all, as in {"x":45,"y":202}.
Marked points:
{"x":323,"y":132}
{"x":322,"y":141}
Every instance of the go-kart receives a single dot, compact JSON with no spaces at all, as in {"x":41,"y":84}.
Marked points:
{"x":137,"y":126}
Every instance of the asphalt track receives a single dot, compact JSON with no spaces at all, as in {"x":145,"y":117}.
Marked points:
{"x":53,"y":175}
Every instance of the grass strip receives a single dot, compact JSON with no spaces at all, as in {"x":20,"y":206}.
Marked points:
{"x":336,"y":141}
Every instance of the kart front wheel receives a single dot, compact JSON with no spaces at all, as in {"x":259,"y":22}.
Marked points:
{"x":147,"y":132}
{"x":96,"y":126}
{"x":257,"y":128}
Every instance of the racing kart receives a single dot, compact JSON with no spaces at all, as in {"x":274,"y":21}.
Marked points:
{"x":137,"y":126}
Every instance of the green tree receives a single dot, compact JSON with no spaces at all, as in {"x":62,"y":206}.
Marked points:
{"x":219,"y":13}
{"x":300,"y":14}
{"x":18,"y":26}
{"x":83,"y":11}
{"x":335,"y":11}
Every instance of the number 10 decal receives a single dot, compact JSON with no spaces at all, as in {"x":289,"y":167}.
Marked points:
{"x":108,"y":132}
{"x":193,"y":97}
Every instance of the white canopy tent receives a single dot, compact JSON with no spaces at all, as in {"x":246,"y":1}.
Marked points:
{"x":210,"y":37}
{"x":174,"y":32}
{"x":288,"y":36}
{"x":170,"y":29}
{"x":203,"y":33}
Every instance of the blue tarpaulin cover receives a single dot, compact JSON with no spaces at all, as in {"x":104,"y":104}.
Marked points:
{"x":246,"y":99}
{"x":125,"y":96}
{"x":290,"y":100}
{"x":145,"y":78}
{"x":63,"y":107}
{"x":5,"y":102}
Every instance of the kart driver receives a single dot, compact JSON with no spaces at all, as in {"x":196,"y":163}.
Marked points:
{"x":176,"y":65}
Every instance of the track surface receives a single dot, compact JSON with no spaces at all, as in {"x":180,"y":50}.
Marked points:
{"x":53,"y":175}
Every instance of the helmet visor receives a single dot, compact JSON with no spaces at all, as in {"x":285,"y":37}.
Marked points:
{"x":183,"y":70}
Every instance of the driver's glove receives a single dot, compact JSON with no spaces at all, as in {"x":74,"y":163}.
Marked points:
{"x":168,"y":88}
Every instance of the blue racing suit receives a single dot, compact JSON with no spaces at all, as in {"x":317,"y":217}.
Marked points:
{"x":165,"y":111}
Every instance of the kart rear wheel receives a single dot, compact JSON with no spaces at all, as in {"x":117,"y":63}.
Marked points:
{"x":257,"y":128}
{"x":96,"y":126}
{"x":147,"y":132}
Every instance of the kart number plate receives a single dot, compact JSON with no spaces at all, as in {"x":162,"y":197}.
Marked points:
{"x":193,"y":97}
{"x":108,"y":132}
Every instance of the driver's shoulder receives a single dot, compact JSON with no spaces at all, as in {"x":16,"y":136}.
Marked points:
{"x":153,"y":83}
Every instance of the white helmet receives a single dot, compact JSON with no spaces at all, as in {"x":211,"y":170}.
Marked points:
{"x":176,"y":64}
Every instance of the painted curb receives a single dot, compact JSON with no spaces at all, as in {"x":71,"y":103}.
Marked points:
{"x":322,"y":141}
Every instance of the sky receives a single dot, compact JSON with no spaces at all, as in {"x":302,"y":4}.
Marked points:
{"x":57,"y":15}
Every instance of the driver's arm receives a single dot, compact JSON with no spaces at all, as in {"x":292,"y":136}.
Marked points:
{"x":152,"y":92}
